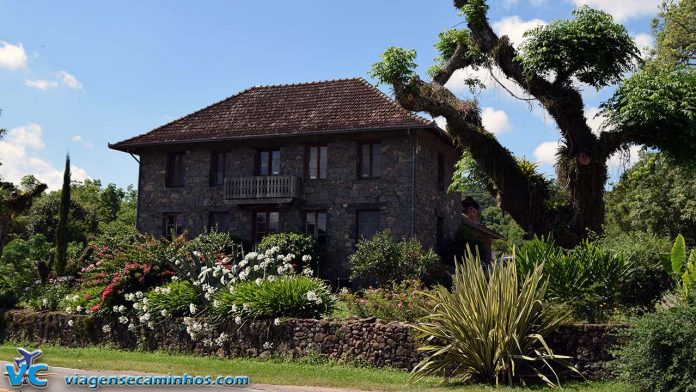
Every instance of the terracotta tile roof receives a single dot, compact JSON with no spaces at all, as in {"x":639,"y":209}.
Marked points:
{"x":290,"y":109}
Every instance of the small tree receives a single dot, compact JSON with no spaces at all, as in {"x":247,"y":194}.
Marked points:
{"x":381,"y":258}
{"x":62,"y":231}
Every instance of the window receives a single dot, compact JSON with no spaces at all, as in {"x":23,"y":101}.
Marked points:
{"x":268,"y":163}
{"x":370,"y":160}
{"x":219,"y":220}
{"x":440,"y":172}
{"x":315,"y":224}
{"x":217,"y":168}
{"x":172,"y":224}
{"x":175,"y":170}
{"x":265,"y":222}
{"x":317,"y":161}
{"x":368,"y":223}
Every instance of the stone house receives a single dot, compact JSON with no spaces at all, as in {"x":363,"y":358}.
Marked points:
{"x":336,"y":159}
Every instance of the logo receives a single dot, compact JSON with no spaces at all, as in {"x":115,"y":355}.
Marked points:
{"x":25,"y":371}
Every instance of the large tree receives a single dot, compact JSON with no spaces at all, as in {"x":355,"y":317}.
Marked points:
{"x":654,"y":107}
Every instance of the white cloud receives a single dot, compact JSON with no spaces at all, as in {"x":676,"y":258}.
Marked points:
{"x":545,"y":153}
{"x":69,"y":80}
{"x":509,"y":3}
{"x":12,"y":56}
{"x":441,"y":122}
{"x":495,"y":121}
{"x":514,"y":27}
{"x":19,"y":157}
{"x":41,"y":84}
{"x":645,"y":43}
{"x":594,"y":119}
{"x":80,"y":140}
{"x":488,"y":78}
{"x":623,"y":10}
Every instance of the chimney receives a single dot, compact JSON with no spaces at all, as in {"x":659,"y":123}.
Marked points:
{"x":470,"y":209}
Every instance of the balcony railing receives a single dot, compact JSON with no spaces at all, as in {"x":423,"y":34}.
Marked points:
{"x":261,"y":189}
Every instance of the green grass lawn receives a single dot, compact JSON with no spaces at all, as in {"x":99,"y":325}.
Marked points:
{"x":302,"y":372}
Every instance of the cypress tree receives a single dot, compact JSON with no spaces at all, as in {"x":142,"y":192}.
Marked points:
{"x":62,"y":230}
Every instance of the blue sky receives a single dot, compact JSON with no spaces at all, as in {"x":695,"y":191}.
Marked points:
{"x":77,"y":75}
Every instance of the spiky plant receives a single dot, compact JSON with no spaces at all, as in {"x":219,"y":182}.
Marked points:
{"x":490,"y":328}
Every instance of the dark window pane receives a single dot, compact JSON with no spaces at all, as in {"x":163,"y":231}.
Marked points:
{"x":368,"y":223}
{"x":313,"y":162}
{"x":323,"y":160}
{"x":217,"y":168}
{"x":273,"y":222}
{"x":263,"y":163}
{"x":376,"y":160}
{"x":175,"y":170}
{"x":275,"y":164}
{"x":365,"y":160}
{"x":321,"y":228}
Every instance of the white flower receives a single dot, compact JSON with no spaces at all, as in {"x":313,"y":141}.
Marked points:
{"x":237,"y":320}
{"x":68,"y":310}
{"x":216,"y":303}
{"x":139,"y":294}
{"x":267,"y":346}
{"x":276,"y":321}
{"x":106,"y":328}
{"x":271,"y":278}
{"x":259,"y":281}
{"x":234,"y":308}
{"x":136,"y":306}
{"x":78,"y":308}
{"x":44,"y":302}
{"x":306,"y":258}
{"x":145,"y":301}
{"x":175,"y":278}
{"x":151,"y":325}
{"x":115,"y":308}
{"x":70,"y":323}
{"x":307,"y":271}
{"x":123,"y":320}
{"x":192,"y":308}
{"x":122,"y":309}
{"x":129,"y":297}
{"x":131,"y":327}
{"x":164,"y":312}
{"x":290,"y":256}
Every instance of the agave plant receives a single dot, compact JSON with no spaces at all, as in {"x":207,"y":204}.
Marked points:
{"x":490,"y":328}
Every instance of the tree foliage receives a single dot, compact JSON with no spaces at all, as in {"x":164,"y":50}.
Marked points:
{"x":590,"y":47}
{"x":654,"y":107}
{"x":657,"y":196}
{"x":675,"y":33}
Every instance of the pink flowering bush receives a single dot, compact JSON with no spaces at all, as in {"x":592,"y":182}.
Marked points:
{"x":402,"y":302}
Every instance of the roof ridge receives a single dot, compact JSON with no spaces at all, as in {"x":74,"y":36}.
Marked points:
{"x":357,"y":78}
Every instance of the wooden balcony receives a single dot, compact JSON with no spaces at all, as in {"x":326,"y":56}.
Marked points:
{"x":261,"y":189}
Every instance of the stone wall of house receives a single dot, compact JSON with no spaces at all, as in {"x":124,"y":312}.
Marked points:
{"x":340,"y":195}
{"x":368,"y":341}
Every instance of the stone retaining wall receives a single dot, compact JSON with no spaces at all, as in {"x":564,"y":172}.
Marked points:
{"x":368,"y":341}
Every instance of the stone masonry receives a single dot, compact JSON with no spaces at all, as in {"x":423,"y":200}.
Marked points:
{"x":409,"y":167}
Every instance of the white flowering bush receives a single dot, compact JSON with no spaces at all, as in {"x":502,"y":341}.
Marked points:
{"x":287,"y":296}
{"x":174,"y":299}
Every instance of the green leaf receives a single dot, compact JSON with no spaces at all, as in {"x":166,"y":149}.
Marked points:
{"x":678,"y":255}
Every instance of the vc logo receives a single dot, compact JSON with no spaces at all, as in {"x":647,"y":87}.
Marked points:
{"x":25,"y":371}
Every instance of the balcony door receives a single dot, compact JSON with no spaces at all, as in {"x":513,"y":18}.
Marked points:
{"x":268,"y":163}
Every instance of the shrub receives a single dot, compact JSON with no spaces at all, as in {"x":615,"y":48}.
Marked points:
{"x":382,"y":258}
{"x":490,"y":328}
{"x":287,"y":296}
{"x":659,"y":352}
{"x":644,"y":287}
{"x":292,"y":244}
{"x":48,"y":297}
{"x":402,"y":302}
{"x":172,"y":299}
{"x":84,"y":301}
{"x":587,"y":278}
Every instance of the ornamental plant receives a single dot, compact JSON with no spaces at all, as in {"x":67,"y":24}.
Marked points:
{"x":402,"y":302}
{"x":682,"y":268}
{"x":490,"y":328}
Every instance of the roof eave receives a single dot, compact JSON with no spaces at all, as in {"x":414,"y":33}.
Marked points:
{"x":130,"y":147}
